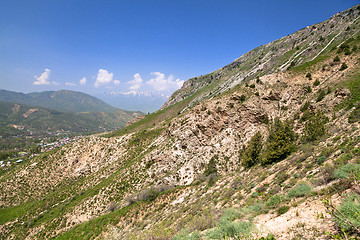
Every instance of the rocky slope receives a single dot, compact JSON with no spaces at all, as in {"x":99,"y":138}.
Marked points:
{"x":293,"y":50}
{"x":184,"y":171}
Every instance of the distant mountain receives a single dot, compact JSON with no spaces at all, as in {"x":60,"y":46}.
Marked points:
{"x":63,"y":100}
{"x":19,"y":119}
{"x":142,"y":101}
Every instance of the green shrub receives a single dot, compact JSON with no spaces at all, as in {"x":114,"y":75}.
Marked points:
{"x":317,"y":82}
{"x":211,"y":167}
{"x":321,"y":95}
{"x":348,"y":171}
{"x":320,"y":160}
{"x":273,"y":201}
{"x":307,"y":89}
{"x":304,"y":107}
{"x":282,"y":210}
{"x":336,"y":59}
{"x":343,"y":67}
{"x":251,"y":154}
{"x":350,"y":211}
{"x":308,"y":75}
{"x":300,"y":190}
{"x":232,"y":214}
{"x":186,"y":235}
{"x":228,"y":229}
{"x":314,"y":127}
{"x":252,"y":86}
{"x":268,"y":237}
{"x":355,"y":114}
{"x":280,"y":142}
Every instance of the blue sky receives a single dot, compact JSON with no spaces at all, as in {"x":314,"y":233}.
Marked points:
{"x":138,"y":46}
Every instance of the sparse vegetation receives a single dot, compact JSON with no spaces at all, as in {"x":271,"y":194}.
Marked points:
{"x":314,"y":127}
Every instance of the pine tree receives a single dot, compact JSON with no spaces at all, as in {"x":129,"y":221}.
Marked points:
{"x":252,"y":152}
{"x":280,"y":142}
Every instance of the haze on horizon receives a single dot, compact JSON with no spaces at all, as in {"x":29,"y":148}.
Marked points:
{"x":134,"y":54}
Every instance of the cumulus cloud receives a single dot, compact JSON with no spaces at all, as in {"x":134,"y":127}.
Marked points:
{"x":136,"y":82}
{"x":103,"y":78}
{"x":116,"y":82}
{"x":83,"y":81}
{"x":72,"y":84}
{"x":161,"y":83}
{"x":43,"y":79}
{"x":55,"y":83}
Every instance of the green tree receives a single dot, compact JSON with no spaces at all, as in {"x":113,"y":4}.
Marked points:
{"x":252,"y":152}
{"x":314,"y":127}
{"x":280,"y":142}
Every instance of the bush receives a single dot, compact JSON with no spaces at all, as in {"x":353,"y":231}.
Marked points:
{"x":343,"y":67}
{"x":300,"y":190}
{"x":273,"y":202}
{"x":320,"y":160}
{"x":251,"y":154}
{"x":304,"y":107}
{"x":211,"y":167}
{"x":186,"y":235}
{"x":280,"y":142}
{"x":350,"y":209}
{"x":317,"y":82}
{"x":314,"y":127}
{"x":149,"y":194}
{"x":308,"y":75}
{"x":282,"y":210}
{"x":355,"y":114}
{"x":321,"y":95}
{"x":348,"y":171}
{"x":336,"y":59}
{"x":268,"y":237}
{"x":252,"y":86}
{"x":229,"y":229}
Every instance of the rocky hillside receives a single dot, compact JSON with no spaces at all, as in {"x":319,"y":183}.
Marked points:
{"x":19,"y":119}
{"x":247,"y":152}
{"x":308,"y":44}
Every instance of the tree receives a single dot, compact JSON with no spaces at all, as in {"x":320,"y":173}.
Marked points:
{"x":280,"y":142}
{"x":252,"y":152}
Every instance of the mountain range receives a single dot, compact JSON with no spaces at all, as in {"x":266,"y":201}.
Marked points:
{"x":60,"y":111}
{"x":267,"y":147}
{"x":63,"y":100}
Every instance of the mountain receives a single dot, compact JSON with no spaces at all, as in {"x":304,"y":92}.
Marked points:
{"x":142,"y":101}
{"x":20,"y":119}
{"x":63,"y":100}
{"x":263,"y":148}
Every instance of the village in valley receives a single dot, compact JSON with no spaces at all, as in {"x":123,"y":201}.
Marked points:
{"x":18,"y":155}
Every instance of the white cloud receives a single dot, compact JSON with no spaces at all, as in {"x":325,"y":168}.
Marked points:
{"x":136,"y":82}
{"x":83,"y":81}
{"x":116,"y":82}
{"x":161,"y":83}
{"x":55,"y":83}
{"x":103,"y":78}
{"x":43,"y":79}
{"x":72,"y":84}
